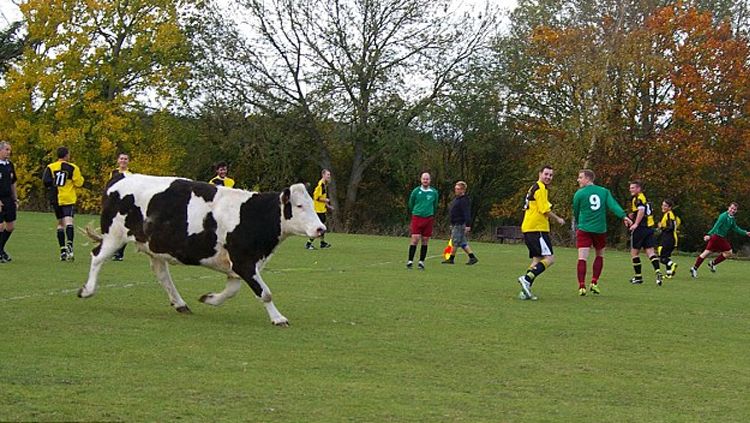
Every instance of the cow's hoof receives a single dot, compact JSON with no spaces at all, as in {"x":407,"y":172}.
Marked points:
{"x":206,"y":298}
{"x":82,"y":293}
{"x":184,"y":310}
{"x":281,"y":323}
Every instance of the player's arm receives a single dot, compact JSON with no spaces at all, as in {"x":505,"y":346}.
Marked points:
{"x":412,"y":200}
{"x":77,"y":177}
{"x":435,"y":203}
{"x":47,"y":177}
{"x":618,"y":211}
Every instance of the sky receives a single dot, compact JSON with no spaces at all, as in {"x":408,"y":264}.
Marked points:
{"x":9,"y":12}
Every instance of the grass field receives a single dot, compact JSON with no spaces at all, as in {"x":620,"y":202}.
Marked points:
{"x":369,"y":340}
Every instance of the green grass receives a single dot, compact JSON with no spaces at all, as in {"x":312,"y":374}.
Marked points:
{"x":369,"y":340}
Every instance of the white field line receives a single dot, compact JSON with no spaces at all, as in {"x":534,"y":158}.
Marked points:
{"x":73,"y":291}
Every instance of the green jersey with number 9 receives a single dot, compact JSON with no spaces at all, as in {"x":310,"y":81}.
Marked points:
{"x":590,"y":205}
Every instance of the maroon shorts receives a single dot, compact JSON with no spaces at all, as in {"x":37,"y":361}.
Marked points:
{"x":587,"y":240}
{"x":718,"y":244}
{"x":422,"y":225}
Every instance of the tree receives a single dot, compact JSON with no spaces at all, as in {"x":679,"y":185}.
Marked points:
{"x":83,"y":78}
{"x":354,"y":63}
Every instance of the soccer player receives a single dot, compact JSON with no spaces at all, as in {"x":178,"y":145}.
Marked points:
{"x":642,"y":233}
{"x":61,"y":178}
{"x":717,"y":240}
{"x":460,"y":217}
{"x":669,"y":225}
{"x":423,"y":204}
{"x":8,"y":199}
{"x":221,"y":178}
{"x":322,"y":204}
{"x":123,"y":161}
{"x":535,"y":228}
{"x":590,"y":205}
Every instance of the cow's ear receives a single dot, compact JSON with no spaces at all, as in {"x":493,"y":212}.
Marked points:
{"x":286,"y":201}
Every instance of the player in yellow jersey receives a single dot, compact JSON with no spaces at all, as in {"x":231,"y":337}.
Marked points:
{"x":535,"y":228}
{"x":642,"y":233}
{"x":61,"y":178}
{"x":669,"y":225}
{"x":221,"y":178}
{"x":322,"y":204}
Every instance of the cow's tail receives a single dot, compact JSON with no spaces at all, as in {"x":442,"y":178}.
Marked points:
{"x":92,"y":233}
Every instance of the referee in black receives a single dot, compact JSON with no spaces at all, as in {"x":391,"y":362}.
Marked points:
{"x":8,"y":198}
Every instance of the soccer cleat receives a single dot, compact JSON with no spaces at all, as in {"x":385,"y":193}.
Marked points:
{"x":472,"y":261}
{"x":309,"y":246}
{"x":63,"y":254}
{"x":595,"y":289}
{"x":69,"y":247}
{"x":447,"y":261}
{"x":522,"y":296}
{"x":672,"y":269}
{"x":712,"y":266}
{"x":693,"y":272}
{"x":636,"y":281}
{"x":659,"y":279}
{"x":409,"y":264}
{"x":420,"y":265}
{"x":324,"y":244}
{"x":525,"y":287}
{"x":582,"y":292}
{"x":5,"y":258}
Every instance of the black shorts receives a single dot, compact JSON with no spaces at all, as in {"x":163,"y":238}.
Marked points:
{"x":668,"y":245}
{"x":322,"y":217}
{"x":63,"y":211}
{"x":643,"y":237}
{"x":538,"y":243}
{"x":8,"y":213}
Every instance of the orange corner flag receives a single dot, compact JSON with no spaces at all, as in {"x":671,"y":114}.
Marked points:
{"x":448,"y":250}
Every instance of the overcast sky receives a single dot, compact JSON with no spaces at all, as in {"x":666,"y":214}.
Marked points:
{"x":9,"y":11}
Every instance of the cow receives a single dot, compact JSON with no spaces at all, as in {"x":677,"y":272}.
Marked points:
{"x":177,"y":220}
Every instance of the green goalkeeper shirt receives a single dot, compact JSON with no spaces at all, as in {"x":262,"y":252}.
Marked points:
{"x":590,"y":205}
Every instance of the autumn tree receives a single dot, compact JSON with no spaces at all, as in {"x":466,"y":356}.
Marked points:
{"x":83,"y":78}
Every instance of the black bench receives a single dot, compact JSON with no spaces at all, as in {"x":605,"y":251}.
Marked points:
{"x":508,"y":232}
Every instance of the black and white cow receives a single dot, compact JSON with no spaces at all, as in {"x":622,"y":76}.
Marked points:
{"x":176,"y":220}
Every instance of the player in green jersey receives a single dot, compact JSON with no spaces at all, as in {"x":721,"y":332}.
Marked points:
{"x":590,"y":205}
{"x":717,"y":241}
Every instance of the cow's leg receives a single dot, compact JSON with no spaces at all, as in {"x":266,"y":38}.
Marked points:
{"x":233,"y":286}
{"x":159,"y":266}
{"x":253,"y":279}
{"x":99,"y":255}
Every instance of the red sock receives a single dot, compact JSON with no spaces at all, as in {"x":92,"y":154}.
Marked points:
{"x":581,"y":273}
{"x":598,"y":266}
{"x":719,"y":259}
{"x":698,"y":262}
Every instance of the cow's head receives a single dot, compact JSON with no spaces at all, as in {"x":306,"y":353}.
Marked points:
{"x":298,"y":215}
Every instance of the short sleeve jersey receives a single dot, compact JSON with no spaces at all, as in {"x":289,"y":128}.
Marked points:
{"x":536,"y":207}
{"x":639,"y":201}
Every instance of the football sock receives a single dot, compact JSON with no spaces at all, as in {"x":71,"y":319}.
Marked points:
{"x":698,"y":262}
{"x":4,"y":235}
{"x":470,"y":255}
{"x":536,"y":271}
{"x":61,"y":237}
{"x":654,"y":262}
{"x":412,"y":250}
{"x":637,"y":267}
{"x":719,"y":259}
{"x":423,"y":253}
{"x":69,"y":232}
{"x":598,"y":266}
{"x":581,"y":273}
{"x":665,"y":261}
